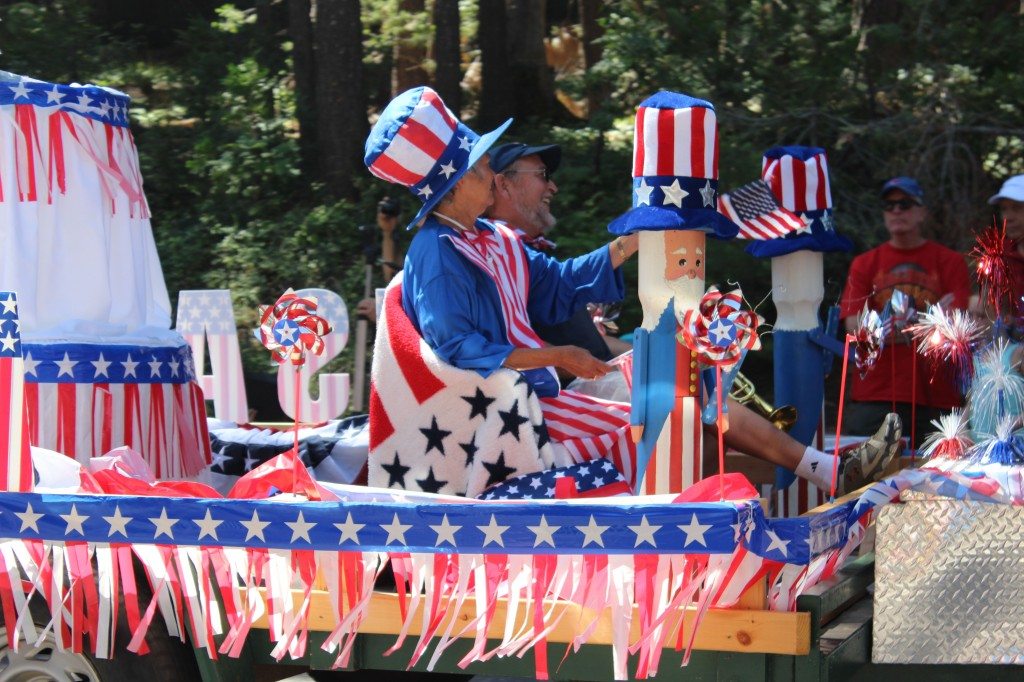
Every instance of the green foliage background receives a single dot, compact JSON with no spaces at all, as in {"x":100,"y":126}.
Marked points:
{"x":933,"y":89}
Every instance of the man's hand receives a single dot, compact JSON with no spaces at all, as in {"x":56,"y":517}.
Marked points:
{"x":572,"y":359}
{"x":367,"y":308}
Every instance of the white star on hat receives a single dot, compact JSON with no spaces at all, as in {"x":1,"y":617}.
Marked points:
{"x":674,"y":194}
{"x":447,"y":169}
{"x":425,"y":191}
{"x":643,"y":193}
{"x":464,"y":143}
{"x":707,"y":193}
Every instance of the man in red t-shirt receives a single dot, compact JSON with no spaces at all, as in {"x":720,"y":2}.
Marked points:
{"x":927,"y":272}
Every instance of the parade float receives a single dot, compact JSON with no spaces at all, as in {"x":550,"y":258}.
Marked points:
{"x":113,"y":548}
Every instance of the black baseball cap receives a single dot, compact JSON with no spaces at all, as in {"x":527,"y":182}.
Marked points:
{"x":504,"y":155}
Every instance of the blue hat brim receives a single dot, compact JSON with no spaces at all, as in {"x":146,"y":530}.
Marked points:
{"x":485,"y":142}
{"x":658,"y":218}
{"x":825,"y":243}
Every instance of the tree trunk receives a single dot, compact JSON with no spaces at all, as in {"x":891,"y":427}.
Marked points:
{"x":300,"y":30}
{"x":341,"y":121}
{"x":496,"y":88}
{"x":409,"y":53}
{"x":447,"y":53}
{"x":590,"y":10}
{"x":528,"y":67}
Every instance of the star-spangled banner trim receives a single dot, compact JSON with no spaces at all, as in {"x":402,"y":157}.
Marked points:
{"x":100,"y":104}
{"x":662,"y":191}
{"x":559,"y":528}
{"x":87,"y":363}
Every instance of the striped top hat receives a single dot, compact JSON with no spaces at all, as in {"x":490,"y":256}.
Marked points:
{"x":419,"y":143}
{"x":798,"y":177}
{"x":675,"y":168}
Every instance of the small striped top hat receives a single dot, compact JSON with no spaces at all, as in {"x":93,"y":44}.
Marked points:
{"x":798,"y":177}
{"x":419,"y":143}
{"x":675,"y":168}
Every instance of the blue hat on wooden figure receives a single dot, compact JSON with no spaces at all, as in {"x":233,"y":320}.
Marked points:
{"x":675,"y":168}
{"x":419,"y":143}
{"x":798,"y":177}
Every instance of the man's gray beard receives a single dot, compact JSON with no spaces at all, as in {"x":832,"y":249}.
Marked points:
{"x":686,"y":295}
{"x":540,"y":218}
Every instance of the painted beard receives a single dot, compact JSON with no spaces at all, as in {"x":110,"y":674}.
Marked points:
{"x":686,"y":294}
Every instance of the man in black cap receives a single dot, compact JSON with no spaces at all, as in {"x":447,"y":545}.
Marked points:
{"x":523,"y":190}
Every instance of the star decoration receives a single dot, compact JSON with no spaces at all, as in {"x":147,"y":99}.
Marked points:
{"x":430,"y":484}
{"x":20,"y":91}
{"x":425,"y":191}
{"x":174,"y":364}
{"x":29,"y":519}
{"x":645,"y":532}
{"x":445,"y":532}
{"x":722,"y":332}
{"x":300,"y":528}
{"x":118,"y":523}
{"x":100,"y":367}
{"x":254,"y":527}
{"x":464,"y":143}
{"x":511,"y":421}
{"x":643,"y":193}
{"x":396,"y":472}
{"x":707,"y":194}
{"x":349,"y":530}
{"x":129,"y":366}
{"x":30,"y":364}
{"x":827,"y":222}
{"x":84,"y":101}
{"x":544,"y":532}
{"x":777,"y":543}
{"x":674,"y":194}
{"x":74,"y":522}
{"x":592,"y":532}
{"x":65,"y":365}
{"x":695,"y":531}
{"x":8,"y":342}
{"x":154,"y":367}
{"x":497,"y":471}
{"x":53,"y":96}
{"x":163,"y":525}
{"x":541,"y":431}
{"x":435,"y":437}
{"x":471,"y":447}
{"x":447,"y":169}
{"x":10,"y":305}
{"x":478,"y":403}
{"x":396,"y":530}
{"x":208,"y":526}
{"x":493,"y":532}
{"x":806,"y":227}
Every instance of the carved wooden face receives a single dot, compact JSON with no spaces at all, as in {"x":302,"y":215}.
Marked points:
{"x":684,"y":254}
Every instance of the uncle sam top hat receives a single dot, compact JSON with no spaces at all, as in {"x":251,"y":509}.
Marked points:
{"x":675,"y":168}
{"x":798,"y":177}
{"x":417,"y":142}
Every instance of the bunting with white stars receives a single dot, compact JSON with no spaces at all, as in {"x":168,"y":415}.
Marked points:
{"x":15,"y":463}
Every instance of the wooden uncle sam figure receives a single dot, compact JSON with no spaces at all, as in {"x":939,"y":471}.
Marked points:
{"x":803,"y":348}
{"x":675,"y":186}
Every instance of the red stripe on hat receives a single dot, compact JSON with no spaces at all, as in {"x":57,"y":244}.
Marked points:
{"x":423,"y":138}
{"x":822,"y":194}
{"x":388,"y":169}
{"x":666,"y":141}
{"x":799,"y":185}
{"x":697,"y":168}
{"x":435,"y":101}
{"x":714,"y":170}
{"x":773,"y":177}
{"x":638,"y":143}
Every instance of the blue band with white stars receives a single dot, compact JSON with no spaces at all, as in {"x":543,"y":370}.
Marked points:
{"x":454,"y":158}
{"x":87,"y":363}
{"x":100,"y":104}
{"x":431,"y":527}
{"x":670,"y":191}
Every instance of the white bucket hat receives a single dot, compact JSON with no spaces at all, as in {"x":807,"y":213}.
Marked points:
{"x":1012,"y":189}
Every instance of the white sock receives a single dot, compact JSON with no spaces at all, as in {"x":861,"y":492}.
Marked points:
{"x":816,"y":467}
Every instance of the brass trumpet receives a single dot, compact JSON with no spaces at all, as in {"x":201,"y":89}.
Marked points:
{"x":744,"y":392}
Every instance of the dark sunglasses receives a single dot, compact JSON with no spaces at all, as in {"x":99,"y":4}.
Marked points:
{"x":544,"y":172}
{"x":902,"y":204}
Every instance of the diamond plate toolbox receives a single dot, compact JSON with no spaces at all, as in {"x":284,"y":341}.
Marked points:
{"x":949,"y":583}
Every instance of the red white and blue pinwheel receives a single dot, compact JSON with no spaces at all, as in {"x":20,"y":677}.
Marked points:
{"x":720,"y":331}
{"x":291,"y":328}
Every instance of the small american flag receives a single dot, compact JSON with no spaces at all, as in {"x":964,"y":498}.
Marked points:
{"x":754,"y":209}
{"x":15,"y":460}
{"x":596,"y":478}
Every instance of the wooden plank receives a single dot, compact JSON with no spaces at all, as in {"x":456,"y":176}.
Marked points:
{"x":736,"y":630}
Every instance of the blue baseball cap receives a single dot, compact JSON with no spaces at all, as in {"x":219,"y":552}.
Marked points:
{"x":504,"y":155}
{"x":906,"y":185}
